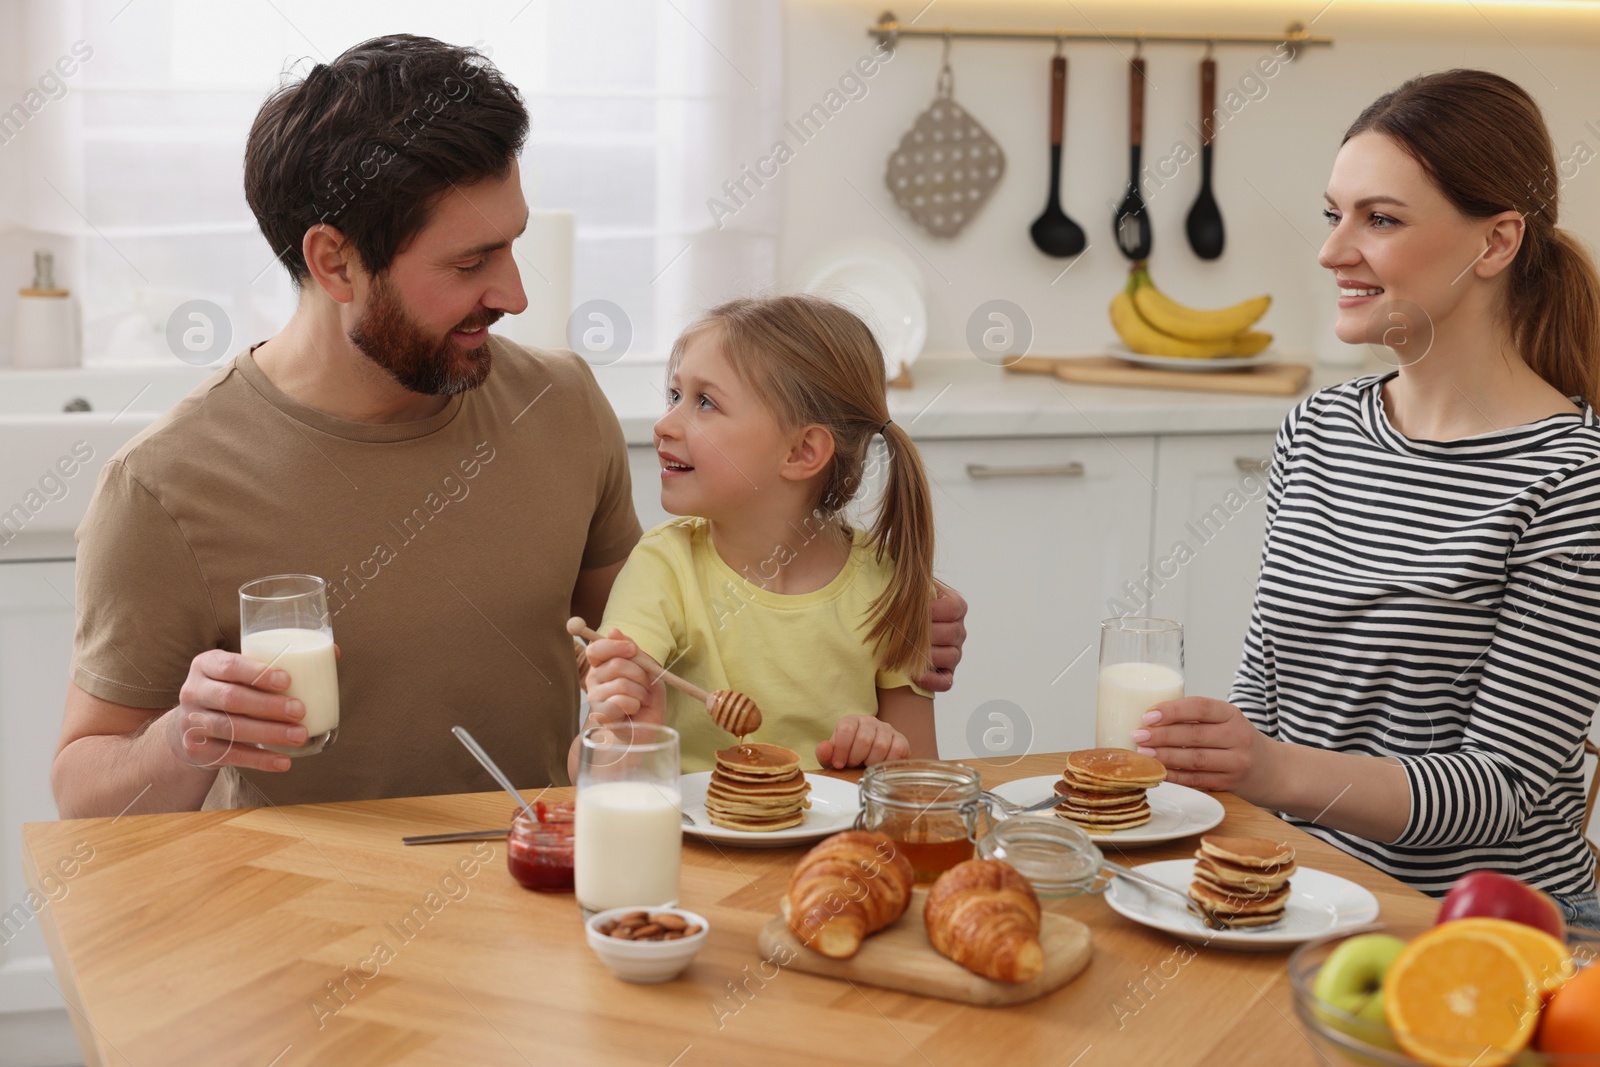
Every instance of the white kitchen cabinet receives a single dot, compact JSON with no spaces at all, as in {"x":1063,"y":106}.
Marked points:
{"x":36,"y":625}
{"x":1210,"y":515}
{"x":1038,"y":534}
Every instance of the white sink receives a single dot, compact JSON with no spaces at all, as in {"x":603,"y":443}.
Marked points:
{"x":50,"y":457}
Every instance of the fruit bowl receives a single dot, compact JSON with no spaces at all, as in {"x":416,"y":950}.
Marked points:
{"x":1358,"y":1040}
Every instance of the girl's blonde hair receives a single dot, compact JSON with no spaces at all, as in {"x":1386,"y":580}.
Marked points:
{"x":815,"y":363}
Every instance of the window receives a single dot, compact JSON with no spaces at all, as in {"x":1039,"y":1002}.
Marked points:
{"x":640,"y":110}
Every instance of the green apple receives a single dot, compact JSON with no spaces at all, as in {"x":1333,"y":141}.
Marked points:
{"x":1351,"y":980}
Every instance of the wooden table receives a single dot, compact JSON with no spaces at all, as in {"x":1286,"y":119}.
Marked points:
{"x":240,"y":937}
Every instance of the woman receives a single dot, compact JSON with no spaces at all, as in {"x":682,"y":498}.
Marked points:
{"x":1423,"y":661}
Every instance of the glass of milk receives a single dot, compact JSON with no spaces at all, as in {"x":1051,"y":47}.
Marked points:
{"x":628,"y":840}
{"x":1141,"y":664}
{"x":284,"y":623}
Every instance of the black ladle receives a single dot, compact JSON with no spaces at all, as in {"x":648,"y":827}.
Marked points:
{"x":1054,"y":233}
{"x":1132,"y":223}
{"x":1204,"y":224}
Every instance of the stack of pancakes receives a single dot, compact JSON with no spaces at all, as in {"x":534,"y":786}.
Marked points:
{"x":1241,"y":881}
{"x":757,"y":788}
{"x":1102,"y":789}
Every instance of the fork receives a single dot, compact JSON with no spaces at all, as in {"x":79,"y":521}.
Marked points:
{"x":1008,"y":809}
{"x":1146,"y":883}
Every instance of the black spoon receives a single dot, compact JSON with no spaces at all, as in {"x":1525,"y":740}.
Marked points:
{"x":1204,"y":224}
{"x":1054,"y":233}
{"x":1132,"y":223}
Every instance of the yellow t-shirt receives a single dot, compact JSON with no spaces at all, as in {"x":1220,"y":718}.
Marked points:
{"x":803,"y":658}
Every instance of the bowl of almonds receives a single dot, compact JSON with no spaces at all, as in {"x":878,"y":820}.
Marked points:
{"x":646,"y":944}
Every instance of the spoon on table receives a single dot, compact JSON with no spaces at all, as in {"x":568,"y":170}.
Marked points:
{"x":733,"y":711}
{"x":1204,"y":223}
{"x":1053,"y":232}
{"x":498,"y":775}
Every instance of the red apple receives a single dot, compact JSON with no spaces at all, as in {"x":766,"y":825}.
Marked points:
{"x":1492,"y":895}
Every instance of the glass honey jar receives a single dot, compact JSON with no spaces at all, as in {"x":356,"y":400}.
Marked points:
{"x":933,"y":811}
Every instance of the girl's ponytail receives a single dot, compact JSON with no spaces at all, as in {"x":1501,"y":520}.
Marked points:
{"x":1555,"y":309}
{"x":901,"y":628}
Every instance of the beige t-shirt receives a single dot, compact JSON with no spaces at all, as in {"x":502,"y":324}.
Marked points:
{"x":450,"y":545}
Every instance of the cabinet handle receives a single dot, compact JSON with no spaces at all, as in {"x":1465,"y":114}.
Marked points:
{"x":1051,"y":470}
{"x":1252,"y":465}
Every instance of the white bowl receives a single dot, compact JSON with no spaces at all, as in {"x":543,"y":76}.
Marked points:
{"x":645,"y":961}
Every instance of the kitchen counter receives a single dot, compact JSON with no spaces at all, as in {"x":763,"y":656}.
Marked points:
{"x":959,"y":396}
{"x":242,"y":937}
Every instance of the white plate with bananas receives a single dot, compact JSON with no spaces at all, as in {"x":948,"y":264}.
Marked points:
{"x":1193,"y":363}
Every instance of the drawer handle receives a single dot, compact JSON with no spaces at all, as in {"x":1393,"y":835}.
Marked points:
{"x":1252,"y":465}
{"x":1050,"y":470}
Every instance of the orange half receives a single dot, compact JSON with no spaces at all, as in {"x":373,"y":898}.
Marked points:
{"x":1549,"y":958}
{"x":1461,"y":998}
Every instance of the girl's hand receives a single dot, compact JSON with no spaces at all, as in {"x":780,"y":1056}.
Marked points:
{"x":861,"y":741}
{"x":618,"y":687}
{"x":1204,"y":743}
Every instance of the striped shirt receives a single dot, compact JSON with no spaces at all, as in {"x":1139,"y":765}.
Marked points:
{"x":1437,"y":602}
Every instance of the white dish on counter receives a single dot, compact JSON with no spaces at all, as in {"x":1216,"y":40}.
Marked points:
{"x":1213,"y":363}
{"x":879,"y":283}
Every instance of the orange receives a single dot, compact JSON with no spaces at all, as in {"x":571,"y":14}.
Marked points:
{"x":1461,"y":997}
{"x":1572,"y":1018}
{"x":1551,"y":962}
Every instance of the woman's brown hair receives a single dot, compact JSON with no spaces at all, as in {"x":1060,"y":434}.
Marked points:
{"x":1483,"y":141}
{"x":815,"y":363}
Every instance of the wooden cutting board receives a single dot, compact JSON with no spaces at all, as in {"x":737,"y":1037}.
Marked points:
{"x":1269,"y":379}
{"x":902,"y":958}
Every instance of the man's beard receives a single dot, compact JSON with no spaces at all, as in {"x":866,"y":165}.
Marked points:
{"x":433,"y":367}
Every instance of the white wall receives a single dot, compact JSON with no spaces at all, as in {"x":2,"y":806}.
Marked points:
{"x":1272,"y":157}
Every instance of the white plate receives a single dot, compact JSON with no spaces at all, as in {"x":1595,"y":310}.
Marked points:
{"x":878,"y":282}
{"x":1319,"y":904}
{"x":834,"y":804}
{"x":1122,"y":351}
{"x":1175,"y":811}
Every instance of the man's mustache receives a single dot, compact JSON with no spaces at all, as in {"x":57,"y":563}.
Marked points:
{"x":469,"y":325}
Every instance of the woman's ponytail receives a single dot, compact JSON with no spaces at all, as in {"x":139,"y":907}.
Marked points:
{"x":1554,"y":302}
{"x":901,"y":627}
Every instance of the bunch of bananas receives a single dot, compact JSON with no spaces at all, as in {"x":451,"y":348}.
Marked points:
{"x":1151,"y":322}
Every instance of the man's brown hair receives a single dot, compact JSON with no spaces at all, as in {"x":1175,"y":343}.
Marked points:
{"x":368,"y":142}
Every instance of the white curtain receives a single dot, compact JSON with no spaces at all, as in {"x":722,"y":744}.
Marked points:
{"x":130,"y":170}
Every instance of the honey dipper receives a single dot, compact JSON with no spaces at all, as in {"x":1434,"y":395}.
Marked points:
{"x":733,"y":711}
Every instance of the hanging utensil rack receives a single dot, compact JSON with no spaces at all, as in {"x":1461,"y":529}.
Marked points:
{"x":889,"y":30}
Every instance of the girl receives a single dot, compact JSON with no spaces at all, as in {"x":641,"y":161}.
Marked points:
{"x":762,"y":586}
{"x":1423,"y":660}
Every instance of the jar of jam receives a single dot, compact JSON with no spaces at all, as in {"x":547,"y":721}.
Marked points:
{"x":539,"y":851}
{"x":929,"y":808}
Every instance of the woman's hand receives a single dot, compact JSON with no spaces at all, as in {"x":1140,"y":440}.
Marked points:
{"x":620,"y":688}
{"x":1206,"y":744}
{"x":861,"y":741}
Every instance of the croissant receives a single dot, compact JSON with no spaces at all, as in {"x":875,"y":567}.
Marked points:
{"x":985,"y":916}
{"x":851,"y":885}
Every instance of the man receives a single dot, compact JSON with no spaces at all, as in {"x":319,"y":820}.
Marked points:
{"x":458,"y":515}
